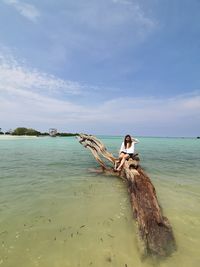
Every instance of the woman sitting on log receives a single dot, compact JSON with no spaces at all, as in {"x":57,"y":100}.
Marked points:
{"x":126,"y":151}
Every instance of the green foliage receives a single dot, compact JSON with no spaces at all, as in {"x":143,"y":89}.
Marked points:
{"x":1,"y":133}
{"x":33,"y":132}
{"x":66,"y":134}
{"x":44,"y":134}
{"x":25,"y":131}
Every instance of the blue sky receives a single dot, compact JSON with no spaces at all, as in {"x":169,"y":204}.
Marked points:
{"x":101,"y":67}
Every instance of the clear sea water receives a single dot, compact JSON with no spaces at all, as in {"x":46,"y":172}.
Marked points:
{"x":56,"y":212}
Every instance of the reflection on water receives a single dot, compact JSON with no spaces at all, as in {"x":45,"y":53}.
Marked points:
{"x":54,"y":212}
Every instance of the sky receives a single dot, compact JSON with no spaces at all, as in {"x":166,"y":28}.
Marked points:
{"x":110,"y":67}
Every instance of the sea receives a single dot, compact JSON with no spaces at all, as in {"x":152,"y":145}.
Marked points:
{"x":56,"y":211}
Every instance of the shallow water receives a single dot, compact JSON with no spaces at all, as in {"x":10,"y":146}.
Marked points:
{"x":55,"y":212}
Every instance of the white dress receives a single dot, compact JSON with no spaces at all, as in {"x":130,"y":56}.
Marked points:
{"x":129,"y":150}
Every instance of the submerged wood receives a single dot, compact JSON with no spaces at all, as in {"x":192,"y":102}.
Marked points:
{"x":155,"y":233}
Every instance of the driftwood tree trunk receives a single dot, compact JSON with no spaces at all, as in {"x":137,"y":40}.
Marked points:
{"x":154,"y":230}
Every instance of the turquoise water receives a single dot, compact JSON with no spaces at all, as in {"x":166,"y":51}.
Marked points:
{"x":56,"y":212}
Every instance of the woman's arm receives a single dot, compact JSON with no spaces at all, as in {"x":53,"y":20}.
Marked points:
{"x":122,"y":147}
{"x":135,"y":140}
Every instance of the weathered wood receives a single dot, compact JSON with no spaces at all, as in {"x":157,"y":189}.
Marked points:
{"x":155,"y":233}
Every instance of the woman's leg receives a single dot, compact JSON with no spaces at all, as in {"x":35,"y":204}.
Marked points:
{"x":117,"y":162}
{"x":121,"y":155}
{"x":125,"y":156}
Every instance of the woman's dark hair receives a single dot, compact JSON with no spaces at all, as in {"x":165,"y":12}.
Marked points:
{"x":126,"y":142}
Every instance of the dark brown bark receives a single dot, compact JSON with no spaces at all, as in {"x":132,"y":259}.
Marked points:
{"x":155,"y":233}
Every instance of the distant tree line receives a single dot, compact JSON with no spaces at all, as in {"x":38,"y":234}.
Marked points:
{"x":32,"y":132}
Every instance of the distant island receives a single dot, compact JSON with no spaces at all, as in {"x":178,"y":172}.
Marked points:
{"x":32,"y":132}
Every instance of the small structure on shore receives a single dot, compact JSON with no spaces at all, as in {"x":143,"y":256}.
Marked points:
{"x":155,"y":234}
{"x":53,"y":132}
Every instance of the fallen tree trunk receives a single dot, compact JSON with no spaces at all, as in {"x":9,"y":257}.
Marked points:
{"x":154,"y":230}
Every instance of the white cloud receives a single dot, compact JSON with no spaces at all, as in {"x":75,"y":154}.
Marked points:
{"x":138,"y":14}
{"x":96,"y":30}
{"x":151,"y":109}
{"x":27,"y":10}
{"x":27,"y":108}
{"x":16,"y":76}
{"x":103,"y":28}
{"x":29,"y":98}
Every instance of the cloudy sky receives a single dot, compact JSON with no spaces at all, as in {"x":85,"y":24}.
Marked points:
{"x":101,"y":66}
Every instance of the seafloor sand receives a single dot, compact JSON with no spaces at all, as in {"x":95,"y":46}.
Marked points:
{"x":54,"y":212}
